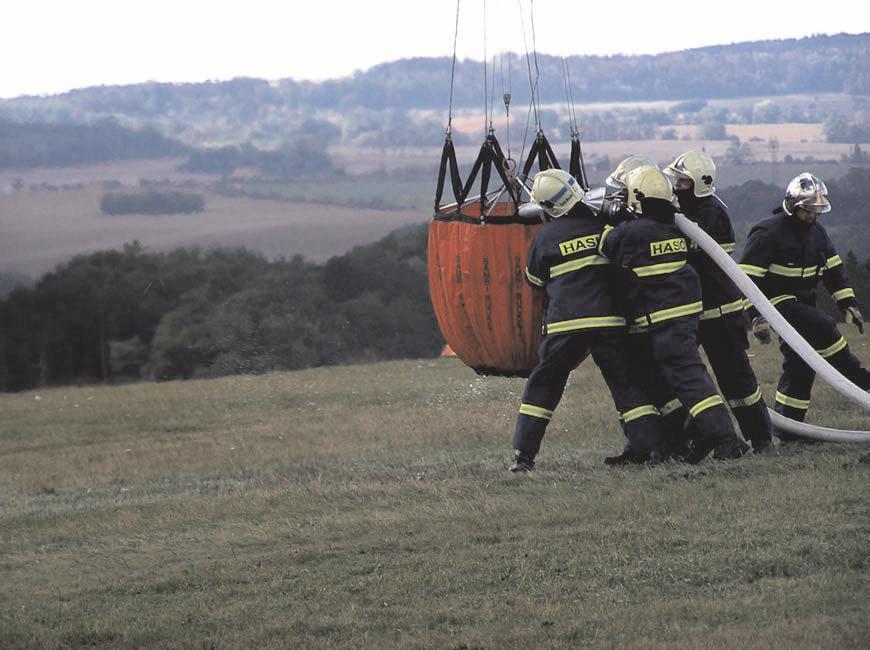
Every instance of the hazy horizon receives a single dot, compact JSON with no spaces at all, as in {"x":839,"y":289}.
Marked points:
{"x":92,"y":43}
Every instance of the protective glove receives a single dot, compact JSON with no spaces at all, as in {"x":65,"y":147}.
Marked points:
{"x":761,"y":330}
{"x":853,"y":315}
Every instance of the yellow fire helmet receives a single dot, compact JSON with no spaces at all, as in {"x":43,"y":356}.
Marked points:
{"x":616,"y":180}
{"x":556,"y":191}
{"x":647,"y":182}
{"x":698,"y":167}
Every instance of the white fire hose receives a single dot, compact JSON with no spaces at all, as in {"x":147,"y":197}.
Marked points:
{"x":790,"y":336}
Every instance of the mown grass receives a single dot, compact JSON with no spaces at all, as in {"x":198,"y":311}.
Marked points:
{"x":369,"y":506}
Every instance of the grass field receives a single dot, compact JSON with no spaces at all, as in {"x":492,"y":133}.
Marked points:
{"x":369,"y":506}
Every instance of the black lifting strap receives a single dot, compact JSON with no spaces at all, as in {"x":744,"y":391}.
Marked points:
{"x":490,"y":155}
{"x":448,"y":157}
{"x":575,"y":164}
{"x":541,"y":150}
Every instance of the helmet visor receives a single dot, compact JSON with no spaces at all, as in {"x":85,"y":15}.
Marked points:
{"x":817,"y":203}
{"x":616,"y":180}
{"x":615,"y":183}
{"x":677,"y":169}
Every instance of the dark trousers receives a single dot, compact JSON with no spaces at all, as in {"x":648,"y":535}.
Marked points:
{"x":674,"y":349}
{"x":796,"y":382}
{"x":558,"y":355}
{"x":647,"y":373}
{"x":725,"y":342}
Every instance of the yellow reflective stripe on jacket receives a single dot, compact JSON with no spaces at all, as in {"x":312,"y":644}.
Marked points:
{"x":639,"y":412}
{"x":831,"y":350}
{"x":778,"y":299}
{"x":754,"y":271}
{"x":794,"y":271}
{"x":585,"y":323}
{"x":658,"y":269}
{"x":843,"y":293}
{"x":574,"y":265}
{"x":607,"y":230}
{"x":721,"y":310}
{"x":535,"y":411}
{"x":728,"y":247}
{"x":833,"y":261}
{"x":704,"y":404}
{"x":538,"y":282}
{"x":667,"y":314}
{"x":785,"y":400}
{"x":746,"y":401}
{"x":670,"y":407}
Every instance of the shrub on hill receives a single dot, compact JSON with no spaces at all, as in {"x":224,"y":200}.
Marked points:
{"x":151,"y":202}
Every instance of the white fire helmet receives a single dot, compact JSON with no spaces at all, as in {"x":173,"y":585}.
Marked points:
{"x":616,"y":180}
{"x":698,"y":167}
{"x":556,"y":191}
{"x":647,"y":183}
{"x":806,"y":191}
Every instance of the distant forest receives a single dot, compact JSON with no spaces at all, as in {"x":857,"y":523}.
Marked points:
{"x":816,"y":64}
{"x":134,"y":314}
{"x":404,"y":103}
{"x":41,"y":144}
{"x":24,"y":145}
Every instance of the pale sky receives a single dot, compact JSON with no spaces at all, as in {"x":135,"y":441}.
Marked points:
{"x":50,"y":46}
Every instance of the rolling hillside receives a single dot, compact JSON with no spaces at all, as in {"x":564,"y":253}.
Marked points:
{"x":404,"y":102}
{"x":369,"y":506}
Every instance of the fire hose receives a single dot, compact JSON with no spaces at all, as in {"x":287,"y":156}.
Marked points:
{"x":790,"y":336}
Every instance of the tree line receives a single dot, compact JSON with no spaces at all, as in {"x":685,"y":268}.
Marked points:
{"x":24,"y":145}
{"x":133,"y":314}
{"x":303,"y":155}
{"x":753,"y":200}
{"x":40,"y":144}
{"x":815,"y":64}
{"x":404,"y":103}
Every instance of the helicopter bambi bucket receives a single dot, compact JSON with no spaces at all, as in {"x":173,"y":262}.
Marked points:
{"x":477,"y":249}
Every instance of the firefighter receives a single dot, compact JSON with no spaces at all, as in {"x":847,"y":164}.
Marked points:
{"x":664,"y":298}
{"x":722,"y":326}
{"x":581,"y":317}
{"x":785,"y":255}
{"x":674,"y":416}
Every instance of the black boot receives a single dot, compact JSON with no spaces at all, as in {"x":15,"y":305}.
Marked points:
{"x":631,"y":457}
{"x":761,"y":444}
{"x":700,"y":448}
{"x":522,"y":462}
{"x":626,"y":457}
{"x":732,"y":448}
{"x":724,"y":449}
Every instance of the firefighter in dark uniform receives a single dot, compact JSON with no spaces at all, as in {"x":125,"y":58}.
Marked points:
{"x":785,"y":256}
{"x":674,"y":416}
{"x":581,"y":317}
{"x":722,"y":327}
{"x":664,"y":297}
